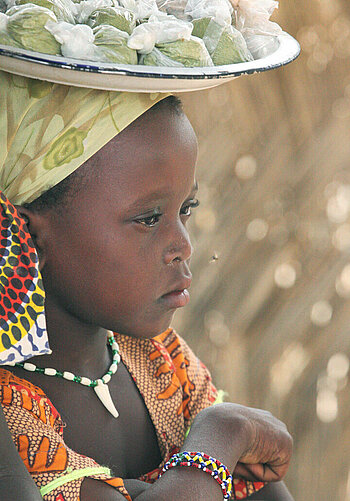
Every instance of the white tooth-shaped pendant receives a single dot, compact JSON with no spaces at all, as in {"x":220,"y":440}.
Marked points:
{"x":102,"y":391}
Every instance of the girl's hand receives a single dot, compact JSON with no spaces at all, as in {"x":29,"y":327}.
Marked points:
{"x":268,"y":456}
{"x":251,"y":442}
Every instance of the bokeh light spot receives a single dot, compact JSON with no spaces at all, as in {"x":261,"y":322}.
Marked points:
{"x":246,"y":167}
{"x":257,"y":230}
{"x":321,"y":313}
{"x":285,"y":276}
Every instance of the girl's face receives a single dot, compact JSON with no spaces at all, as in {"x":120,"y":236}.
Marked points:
{"x":121,"y":248}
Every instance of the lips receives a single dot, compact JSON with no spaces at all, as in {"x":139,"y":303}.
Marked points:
{"x":178,"y":296}
{"x":184,"y":283}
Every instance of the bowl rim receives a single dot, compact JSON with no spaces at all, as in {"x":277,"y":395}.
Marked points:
{"x":111,"y":76}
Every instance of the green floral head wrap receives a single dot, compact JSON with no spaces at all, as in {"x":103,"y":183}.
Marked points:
{"x":48,"y":130}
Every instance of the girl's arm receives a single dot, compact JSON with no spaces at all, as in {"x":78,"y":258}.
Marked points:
{"x":15,"y":481}
{"x":276,"y":491}
{"x":272,"y":492}
{"x":231,"y":433}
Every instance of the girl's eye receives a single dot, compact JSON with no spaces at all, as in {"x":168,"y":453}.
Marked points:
{"x":149,"y":221}
{"x":186,"y":210}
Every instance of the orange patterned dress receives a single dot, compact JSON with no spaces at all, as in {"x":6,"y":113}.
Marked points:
{"x":175,"y":386}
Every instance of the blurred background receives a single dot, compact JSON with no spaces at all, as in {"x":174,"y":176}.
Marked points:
{"x":270,"y":304}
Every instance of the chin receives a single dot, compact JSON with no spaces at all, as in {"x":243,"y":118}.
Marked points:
{"x":147,"y":331}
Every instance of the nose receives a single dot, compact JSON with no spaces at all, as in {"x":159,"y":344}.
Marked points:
{"x":181,"y":248}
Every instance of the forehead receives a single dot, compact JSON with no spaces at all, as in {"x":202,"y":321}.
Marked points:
{"x":157,"y":153}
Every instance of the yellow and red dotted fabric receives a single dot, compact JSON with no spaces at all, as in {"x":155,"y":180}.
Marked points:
{"x":22,"y":318}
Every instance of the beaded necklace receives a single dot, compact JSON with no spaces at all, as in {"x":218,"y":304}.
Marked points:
{"x":100,"y":385}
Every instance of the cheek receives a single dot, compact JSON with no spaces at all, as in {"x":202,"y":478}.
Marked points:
{"x":114,"y":271}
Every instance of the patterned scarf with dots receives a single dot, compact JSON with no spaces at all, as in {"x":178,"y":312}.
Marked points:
{"x":22,"y":319}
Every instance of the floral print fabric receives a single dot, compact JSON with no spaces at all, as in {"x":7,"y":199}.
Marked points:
{"x":174,"y":384}
{"x":48,"y":130}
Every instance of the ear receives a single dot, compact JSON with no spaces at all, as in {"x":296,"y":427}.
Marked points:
{"x":37,"y":227}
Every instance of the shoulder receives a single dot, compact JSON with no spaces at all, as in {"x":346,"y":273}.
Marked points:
{"x":18,"y":393}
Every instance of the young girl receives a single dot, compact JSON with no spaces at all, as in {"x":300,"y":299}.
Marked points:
{"x":105,"y":184}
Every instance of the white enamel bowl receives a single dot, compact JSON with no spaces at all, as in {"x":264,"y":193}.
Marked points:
{"x":109,"y":76}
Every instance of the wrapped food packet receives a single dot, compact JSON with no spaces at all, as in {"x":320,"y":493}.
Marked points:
{"x":26,"y":25}
{"x":159,"y":30}
{"x":85,"y":8}
{"x":255,"y":15}
{"x":173,"y":7}
{"x":63,"y":9}
{"x":142,"y":9}
{"x":189,"y":53}
{"x":253,"y":21}
{"x":112,"y":46}
{"x":119,"y":17}
{"x":157,"y":58}
{"x":225,"y":44}
{"x":219,"y":10}
{"x":76,"y":41}
{"x":104,"y":43}
{"x":261,"y":45}
{"x":5,"y":38}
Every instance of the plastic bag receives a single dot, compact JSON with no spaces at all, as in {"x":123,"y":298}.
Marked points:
{"x":5,"y":5}
{"x":3,"y":22}
{"x":63,"y":9}
{"x":254,"y":16}
{"x":118,"y":17}
{"x":261,"y":45}
{"x":5,"y":38}
{"x":253,"y":21}
{"x":76,"y":40}
{"x":111,"y":46}
{"x":156,"y":31}
{"x":142,"y":9}
{"x":157,"y":58}
{"x":174,"y":7}
{"x":219,"y":10}
{"x":225,"y":44}
{"x":103,"y":44}
{"x":189,"y":53}
{"x":27,"y":26}
{"x":85,"y":8}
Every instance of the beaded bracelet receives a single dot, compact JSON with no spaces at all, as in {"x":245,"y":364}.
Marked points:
{"x":206,"y":463}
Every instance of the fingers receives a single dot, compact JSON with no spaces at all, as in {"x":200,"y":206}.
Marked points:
{"x":261,"y":472}
{"x":270,"y":451}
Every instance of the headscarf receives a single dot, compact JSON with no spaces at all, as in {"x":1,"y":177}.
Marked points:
{"x":47,"y":131}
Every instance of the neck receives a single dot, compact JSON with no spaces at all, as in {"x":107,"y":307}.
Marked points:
{"x":76,"y":346}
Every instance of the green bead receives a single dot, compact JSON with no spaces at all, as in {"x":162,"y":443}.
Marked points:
{"x":77,"y":379}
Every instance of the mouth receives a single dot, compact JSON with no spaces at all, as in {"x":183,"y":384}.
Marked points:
{"x":179,"y":296}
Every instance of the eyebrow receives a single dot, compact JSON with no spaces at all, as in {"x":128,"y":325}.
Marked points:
{"x":155,"y":195}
